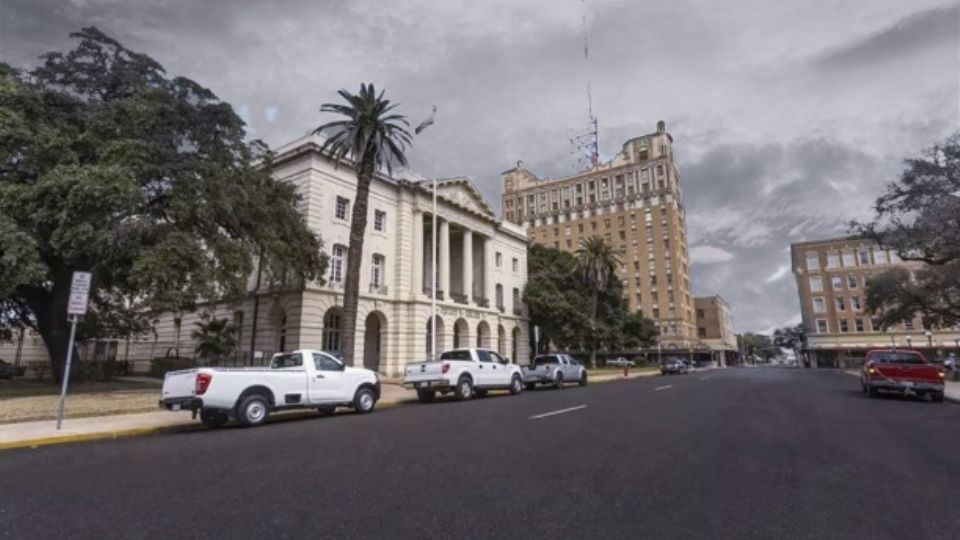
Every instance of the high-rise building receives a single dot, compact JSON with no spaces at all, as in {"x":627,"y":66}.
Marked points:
{"x":832,"y":277}
{"x":635,"y":203}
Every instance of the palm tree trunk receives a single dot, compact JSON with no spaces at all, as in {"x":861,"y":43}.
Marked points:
{"x":593,"y":341}
{"x":351,"y":289}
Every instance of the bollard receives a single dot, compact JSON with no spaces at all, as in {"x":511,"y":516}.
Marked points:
{"x":626,"y":370}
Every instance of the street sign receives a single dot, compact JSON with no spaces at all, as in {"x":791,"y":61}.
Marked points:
{"x":79,"y":294}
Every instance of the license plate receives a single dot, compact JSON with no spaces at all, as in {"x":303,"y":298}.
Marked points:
{"x":422,"y":384}
{"x":908,"y":383}
{"x":175,"y":407}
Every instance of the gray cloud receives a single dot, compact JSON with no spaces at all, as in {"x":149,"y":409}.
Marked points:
{"x":788,"y":120}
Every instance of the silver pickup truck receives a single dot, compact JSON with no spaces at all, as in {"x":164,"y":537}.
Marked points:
{"x":555,"y":370}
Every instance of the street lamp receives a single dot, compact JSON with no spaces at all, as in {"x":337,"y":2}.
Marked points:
{"x":929,"y":335}
{"x":909,"y":342}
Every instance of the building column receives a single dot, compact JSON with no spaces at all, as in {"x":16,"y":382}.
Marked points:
{"x":468,"y":265}
{"x":417,"y":274}
{"x":488,"y":263}
{"x":443,"y":259}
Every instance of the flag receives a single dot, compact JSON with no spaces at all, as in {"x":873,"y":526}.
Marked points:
{"x":426,"y":123}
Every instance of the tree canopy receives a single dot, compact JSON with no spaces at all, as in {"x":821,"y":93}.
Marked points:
{"x":110,"y":166}
{"x":919,"y":217}
{"x":560,"y":303}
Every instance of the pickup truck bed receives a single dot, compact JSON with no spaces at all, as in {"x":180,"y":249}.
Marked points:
{"x":902,"y":371}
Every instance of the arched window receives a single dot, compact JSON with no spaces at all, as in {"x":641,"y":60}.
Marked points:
{"x":331,"y":330}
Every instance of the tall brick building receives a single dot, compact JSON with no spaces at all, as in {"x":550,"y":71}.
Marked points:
{"x":635,"y":203}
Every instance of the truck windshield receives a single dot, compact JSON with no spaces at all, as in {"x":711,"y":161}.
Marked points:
{"x":286,"y":361}
{"x":543,"y":360}
{"x":898,"y":358}
{"x":455,"y":355}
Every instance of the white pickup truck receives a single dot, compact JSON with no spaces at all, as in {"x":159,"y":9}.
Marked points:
{"x":301,"y":379}
{"x":555,"y":370}
{"x":465,"y":372}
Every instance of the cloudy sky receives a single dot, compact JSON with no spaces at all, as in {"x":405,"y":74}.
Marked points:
{"x":788,"y":117}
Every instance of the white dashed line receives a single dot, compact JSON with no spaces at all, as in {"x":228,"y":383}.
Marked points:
{"x":659,"y":388}
{"x":561,"y":411}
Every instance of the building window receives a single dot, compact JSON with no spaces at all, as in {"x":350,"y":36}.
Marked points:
{"x":336,"y":263}
{"x":580,"y":228}
{"x":855,"y":303}
{"x":816,"y":284}
{"x":851,"y":282}
{"x":701,"y":332}
{"x":840,"y":303}
{"x":822,"y":326}
{"x":813,"y":262}
{"x":858,"y":325}
{"x":837,"y":283}
{"x":376,"y":271}
{"x":879,"y":256}
{"x":343,"y":206}
{"x":499,"y":259}
{"x":331,"y":331}
{"x":864,"y":257}
{"x":515,"y":264}
{"x":499,"y":296}
{"x":849,"y":259}
{"x":908,"y":325}
{"x":819,"y":306}
{"x":844,"y":327}
{"x":379,"y":220}
{"x":833,"y":260}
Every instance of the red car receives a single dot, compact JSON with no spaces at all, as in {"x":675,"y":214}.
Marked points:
{"x":904,"y":371}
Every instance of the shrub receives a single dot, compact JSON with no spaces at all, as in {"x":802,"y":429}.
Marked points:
{"x":160,"y":366}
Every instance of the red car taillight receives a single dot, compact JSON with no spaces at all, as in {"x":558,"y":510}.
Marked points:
{"x":203,"y":381}
{"x":445,"y":368}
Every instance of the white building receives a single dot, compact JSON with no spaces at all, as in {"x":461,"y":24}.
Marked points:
{"x":482,"y":271}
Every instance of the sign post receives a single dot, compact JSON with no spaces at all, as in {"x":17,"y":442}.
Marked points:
{"x":79,"y":295}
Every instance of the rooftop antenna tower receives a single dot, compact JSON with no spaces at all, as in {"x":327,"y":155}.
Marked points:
{"x":587,"y":145}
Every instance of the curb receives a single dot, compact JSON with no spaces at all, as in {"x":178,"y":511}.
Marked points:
{"x":286,"y":417}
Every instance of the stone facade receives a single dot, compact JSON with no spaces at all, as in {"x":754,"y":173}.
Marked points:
{"x":635,"y":203}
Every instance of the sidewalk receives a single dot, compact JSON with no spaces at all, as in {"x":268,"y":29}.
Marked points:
{"x":42,"y":433}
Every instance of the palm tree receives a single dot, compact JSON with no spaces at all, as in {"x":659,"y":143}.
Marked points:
{"x":370,"y":137}
{"x":216,"y":339}
{"x":597,"y":262}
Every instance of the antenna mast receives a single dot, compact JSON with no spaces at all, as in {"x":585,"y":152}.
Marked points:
{"x":587,"y":145}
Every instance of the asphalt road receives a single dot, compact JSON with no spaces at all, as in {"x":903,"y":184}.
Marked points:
{"x":739,"y":453}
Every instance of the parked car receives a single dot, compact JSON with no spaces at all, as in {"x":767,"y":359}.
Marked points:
{"x":465,"y":373}
{"x":903,"y":371}
{"x":301,"y":379}
{"x":555,"y":370}
{"x":621,"y":362}
{"x":673,"y":366}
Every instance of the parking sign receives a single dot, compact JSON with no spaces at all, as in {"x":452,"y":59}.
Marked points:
{"x":79,"y":294}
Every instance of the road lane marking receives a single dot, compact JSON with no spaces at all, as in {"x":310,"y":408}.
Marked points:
{"x":659,"y":388}
{"x":561,"y":411}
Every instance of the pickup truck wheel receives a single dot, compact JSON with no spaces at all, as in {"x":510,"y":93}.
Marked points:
{"x":872,"y":392}
{"x":583,"y":379}
{"x":213,"y":419}
{"x":327,"y":410}
{"x":558,"y":381}
{"x":531,"y":386}
{"x":516,"y":385}
{"x":426,"y":396}
{"x":464,"y":390}
{"x":253,"y":410}
{"x":936,"y":397}
{"x":364,"y":401}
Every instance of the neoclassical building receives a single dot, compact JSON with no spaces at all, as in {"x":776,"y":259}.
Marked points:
{"x":482,"y":268}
